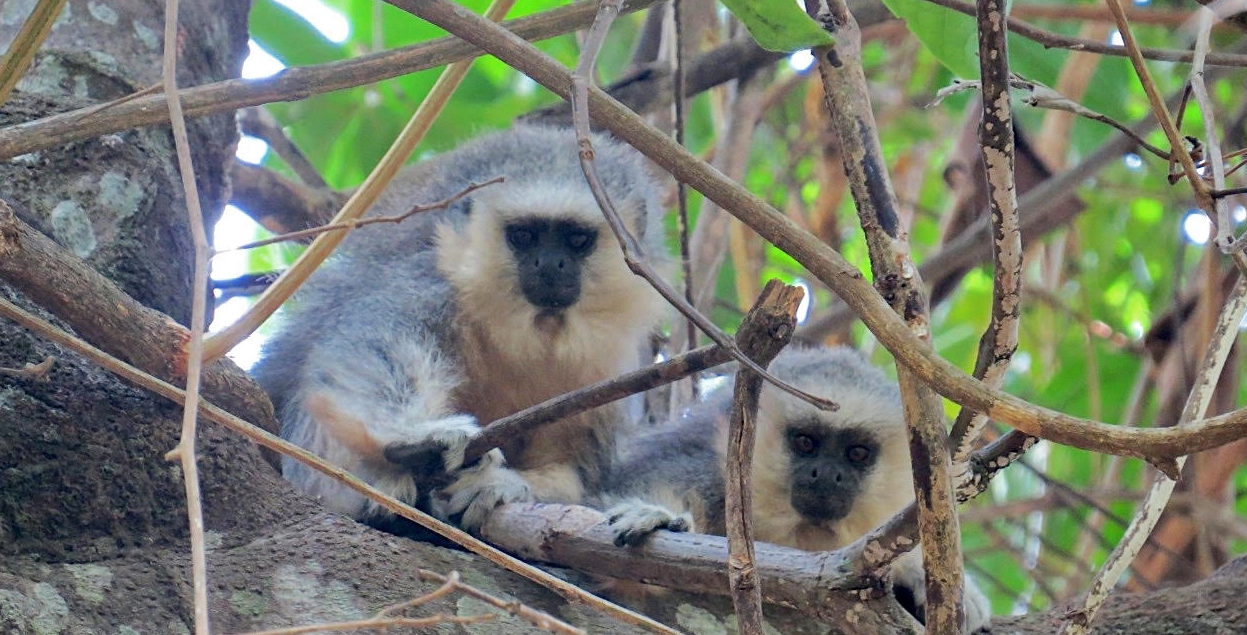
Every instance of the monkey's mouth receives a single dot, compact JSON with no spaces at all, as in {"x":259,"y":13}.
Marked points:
{"x":550,"y":321}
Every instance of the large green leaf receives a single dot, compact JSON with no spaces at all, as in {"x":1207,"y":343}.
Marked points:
{"x":779,"y":25}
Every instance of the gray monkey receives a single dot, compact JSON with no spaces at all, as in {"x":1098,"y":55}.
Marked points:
{"x":820,"y":479}
{"x":412,"y":334}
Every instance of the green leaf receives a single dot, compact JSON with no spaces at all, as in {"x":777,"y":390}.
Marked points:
{"x":779,"y":25}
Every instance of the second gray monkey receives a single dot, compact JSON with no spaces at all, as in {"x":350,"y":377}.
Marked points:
{"x":820,"y":479}
{"x":412,"y":334}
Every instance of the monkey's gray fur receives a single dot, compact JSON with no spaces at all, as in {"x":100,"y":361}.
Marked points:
{"x":413,"y":334}
{"x":820,"y":479}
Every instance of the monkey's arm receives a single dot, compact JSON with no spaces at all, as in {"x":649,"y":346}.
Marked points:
{"x":376,"y":402}
{"x":667,"y":479}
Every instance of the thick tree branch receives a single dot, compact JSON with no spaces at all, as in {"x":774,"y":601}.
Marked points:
{"x":277,"y":203}
{"x":273,"y":443}
{"x":291,"y":84}
{"x":812,"y":583}
{"x":104,"y":315}
{"x":996,"y":139}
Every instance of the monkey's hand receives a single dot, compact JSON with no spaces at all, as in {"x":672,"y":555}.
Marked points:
{"x":480,"y":488}
{"x":634,"y":520}
{"x":439,"y":449}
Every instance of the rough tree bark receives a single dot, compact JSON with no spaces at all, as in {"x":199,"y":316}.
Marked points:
{"x":93,"y":532}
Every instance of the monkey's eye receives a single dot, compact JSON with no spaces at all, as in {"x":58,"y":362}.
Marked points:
{"x":581,"y":241}
{"x":803,"y":444}
{"x":857,"y":453}
{"x":520,"y":237}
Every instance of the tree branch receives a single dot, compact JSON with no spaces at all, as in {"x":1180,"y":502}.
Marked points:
{"x":899,"y":284}
{"x":104,"y":315}
{"x":291,"y":84}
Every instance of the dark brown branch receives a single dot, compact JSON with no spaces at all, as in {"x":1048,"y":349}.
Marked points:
{"x":742,"y":573}
{"x":758,"y":326}
{"x":647,"y":90}
{"x":261,"y":124}
{"x":291,"y":84}
{"x":277,"y":203}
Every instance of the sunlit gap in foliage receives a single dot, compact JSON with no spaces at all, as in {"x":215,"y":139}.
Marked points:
{"x":801,"y":61}
{"x":1115,"y":38}
{"x":326,"y":19}
{"x":803,"y":309}
{"x":1196,"y":227}
{"x":236,"y":228}
{"x":1133,"y":161}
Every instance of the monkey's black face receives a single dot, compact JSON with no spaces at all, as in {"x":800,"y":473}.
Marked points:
{"x":549,"y":256}
{"x":828,"y":468}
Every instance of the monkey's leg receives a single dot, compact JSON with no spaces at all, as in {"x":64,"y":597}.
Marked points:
{"x":378,"y":405}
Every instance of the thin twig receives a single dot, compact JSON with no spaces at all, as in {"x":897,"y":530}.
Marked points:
{"x":540,"y":619}
{"x":449,"y":583}
{"x":1042,"y":96}
{"x":263,"y":438}
{"x":1177,"y":143}
{"x":31,"y":370}
{"x":996,"y":140}
{"x":21,"y":51}
{"x":756,"y":324}
{"x":681,"y":190}
{"x":185,"y":450}
{"x":634,"y":256}
{"x":1223,"y":337}
{"x":383,"y":624}
{"x":1050,"y":39}
{"x":361,"y":222}
{"x":222,"y":341}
